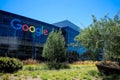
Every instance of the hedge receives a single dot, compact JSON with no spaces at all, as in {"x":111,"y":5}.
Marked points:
{"x":9,"y":65}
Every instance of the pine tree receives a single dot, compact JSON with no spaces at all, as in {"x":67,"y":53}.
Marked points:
{"x":54,"y":49}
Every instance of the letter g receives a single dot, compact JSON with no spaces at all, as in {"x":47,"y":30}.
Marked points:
{"x":17,"y":22}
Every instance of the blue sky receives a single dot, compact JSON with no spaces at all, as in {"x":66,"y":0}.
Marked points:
{"x":77,"y":11}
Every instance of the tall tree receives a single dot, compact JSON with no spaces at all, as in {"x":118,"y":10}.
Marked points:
{"x":102,"y":34}
{"x":54,"y":49}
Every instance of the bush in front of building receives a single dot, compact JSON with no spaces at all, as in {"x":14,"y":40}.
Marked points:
{"x":52,"y":66}
{"x":54,"y":50}
{"x":30,"y":61}
{"x":9,"y":65}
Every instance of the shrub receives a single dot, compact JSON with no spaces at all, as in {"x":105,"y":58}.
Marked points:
{"x":10,"y":64}
{"x":52,"y":65}
{"x":72,"y":56}
{"x":87,"y":62}
{"x":30,"y":61}
{"x":32,"y":67}
{"x":54,"y":49}
{"x":6,"y":77}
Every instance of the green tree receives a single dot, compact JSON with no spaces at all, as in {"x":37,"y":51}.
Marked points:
{"x":102,"y":34}
{"x":54,"y":49}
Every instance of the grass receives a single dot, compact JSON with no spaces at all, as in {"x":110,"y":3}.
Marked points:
{"x":40,"y":72}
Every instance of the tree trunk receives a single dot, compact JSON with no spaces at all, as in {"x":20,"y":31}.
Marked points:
{"x":105,"y":52}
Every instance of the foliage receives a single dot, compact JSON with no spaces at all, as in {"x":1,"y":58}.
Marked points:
{"x":30,"y":61}
{"x":10,"y":64}
{"x":34,"y":67}
{"x":102,"y":34}
{"x":6,"y":77}
{"x":87,"y":62}
{"x":76,"y":72}
{"x":54,"y":49}
{"x":89,"y":55}
{"x":57,"y":65}
{"x":72,"y":56}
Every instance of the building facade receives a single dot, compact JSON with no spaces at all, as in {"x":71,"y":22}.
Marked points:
{"x":71,"y":31}
{"x":22,"y":36}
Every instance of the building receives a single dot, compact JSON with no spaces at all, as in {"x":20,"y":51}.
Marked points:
{"x":71,"y":31}
{"x":22,"y":36}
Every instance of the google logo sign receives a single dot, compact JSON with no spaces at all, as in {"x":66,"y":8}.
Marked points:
{"x":16,"y":24}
